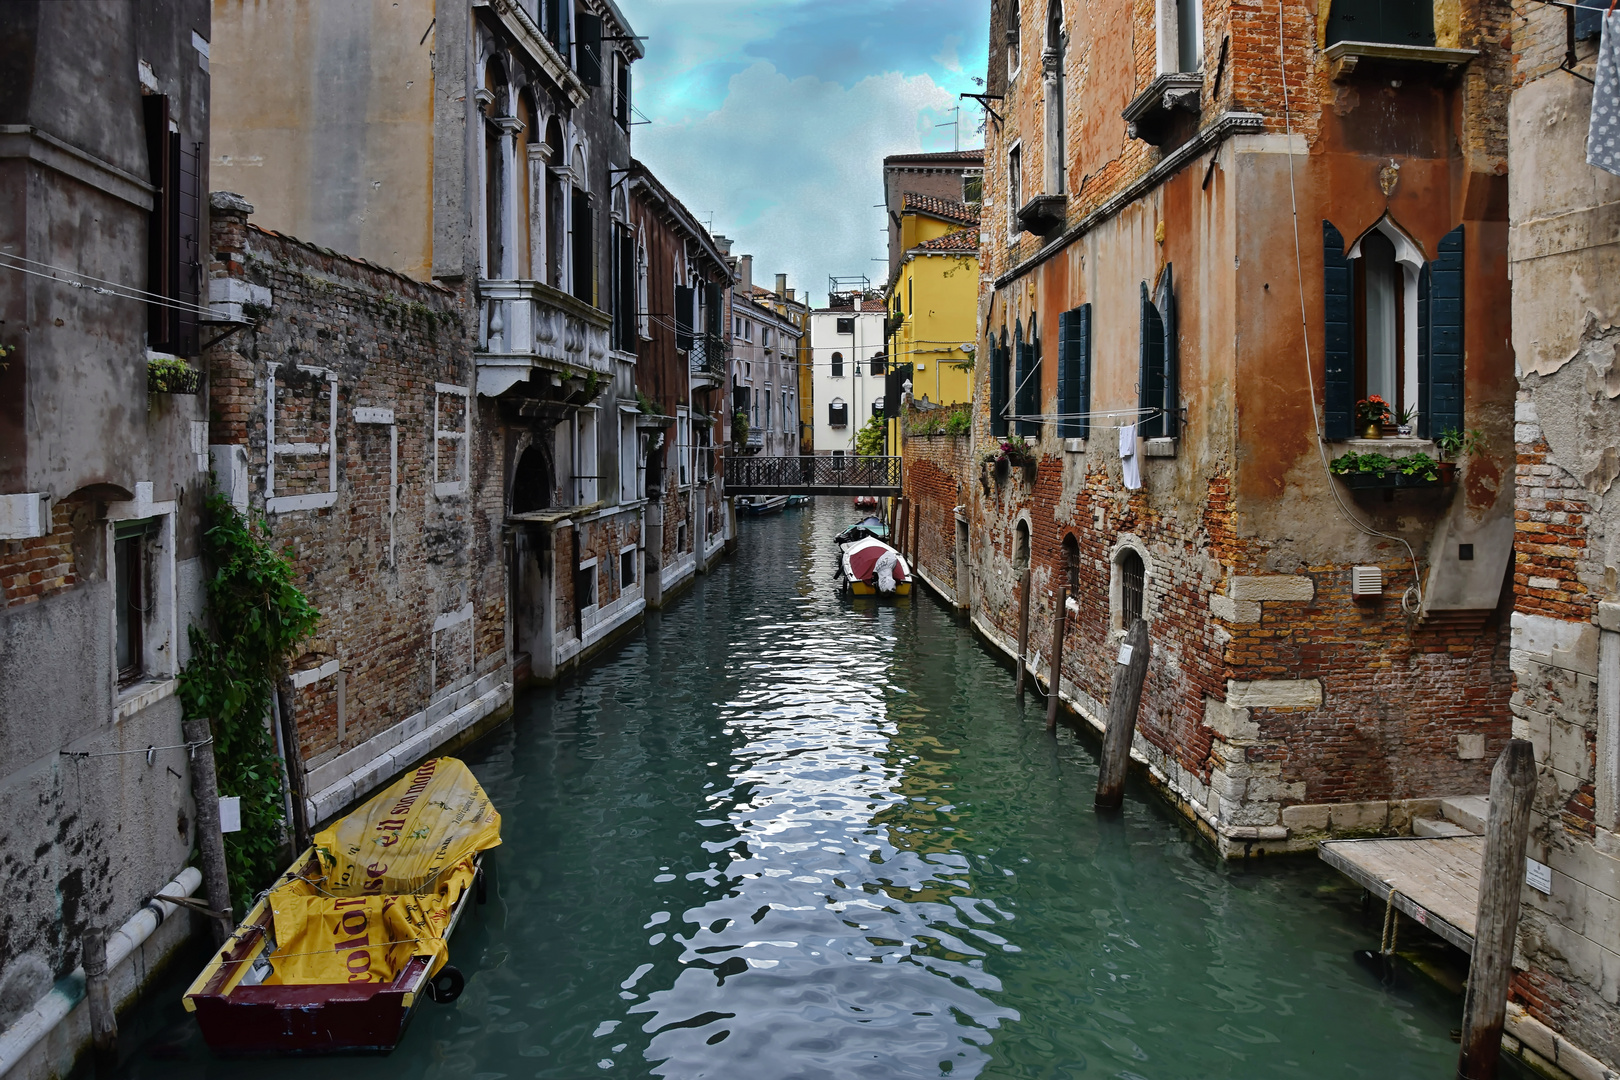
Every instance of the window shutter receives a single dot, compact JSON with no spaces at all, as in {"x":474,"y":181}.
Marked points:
{"x":1446,"y":334}
{"x":188,"y":245}
{"x":1150,"y":375}
{"x":1066,"y":354}
{"x":1029,"y":388}
{"x":588,"y":46}
{"x":715,"y":313}
{"x":584,"y":244}
{"x":1338,"y":379}
{"x":160,"y":321}
{"x":1082,"y":397}
{"x":1171,"y":422}
{"x":683,"y":317}
{"x":1424,"y":431}
{"x":998,"y":390}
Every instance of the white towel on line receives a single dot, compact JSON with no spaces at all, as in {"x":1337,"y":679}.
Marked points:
{"x":1130,"y":462}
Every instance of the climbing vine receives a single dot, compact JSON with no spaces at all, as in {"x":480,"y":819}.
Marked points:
{"x":256,"y":619}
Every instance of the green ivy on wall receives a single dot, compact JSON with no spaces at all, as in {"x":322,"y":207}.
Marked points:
{"x":256,"y":619}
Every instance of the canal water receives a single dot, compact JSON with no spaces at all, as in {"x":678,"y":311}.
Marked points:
{"x":785,"y":834}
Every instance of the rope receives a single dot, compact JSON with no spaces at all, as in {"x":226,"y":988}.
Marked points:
{"x":1392,"y":925}
{"x":188,"y":747}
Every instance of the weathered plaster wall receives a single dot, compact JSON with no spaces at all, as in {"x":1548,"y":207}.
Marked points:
{"x":1565,"y":262}
{"x":332,"y":141}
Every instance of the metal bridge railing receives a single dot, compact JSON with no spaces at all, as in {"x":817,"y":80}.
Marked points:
{"x":811,"y":473}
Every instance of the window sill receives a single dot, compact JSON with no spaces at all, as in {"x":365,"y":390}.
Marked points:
{"x":1074,"y":446}
{"x":1345,"y":56}
{"x":1390,"y":447}
{"x":141,"y":695}
{"x":1160,"y":448}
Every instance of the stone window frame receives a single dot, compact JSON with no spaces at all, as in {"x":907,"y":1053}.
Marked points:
{"x":1015,"y":169}
{"x":449,"y":620}
{"x":1167,"y":34}
{"x":635,"y":568}
{"x":160,"y":630}
{"x":1116,"y":583}
{"x":590,"y":564}
{"x":318,"y":500}
{"x":1023,"y":521}
{"x":451,"y":488}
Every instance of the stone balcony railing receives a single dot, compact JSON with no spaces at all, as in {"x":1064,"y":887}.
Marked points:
{"x":528,"y":325}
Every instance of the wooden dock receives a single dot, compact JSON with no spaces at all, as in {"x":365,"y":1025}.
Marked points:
{"x":1436,"y":879}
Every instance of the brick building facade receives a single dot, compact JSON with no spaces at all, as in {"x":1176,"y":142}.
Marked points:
{"x":1140,"y":272}
{"x":342,"y":412}
{"x":1566,"y":618}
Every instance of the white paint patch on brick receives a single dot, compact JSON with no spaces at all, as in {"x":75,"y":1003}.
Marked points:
{"x":1274,"y":694}
{"x":1272,"y":587}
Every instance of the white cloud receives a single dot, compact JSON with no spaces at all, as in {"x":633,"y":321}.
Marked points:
{"x":791,"y":169}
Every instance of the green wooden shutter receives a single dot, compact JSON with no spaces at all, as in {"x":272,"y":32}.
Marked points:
{"x":1029,"y":387}
{"x":1172,"y":355}
{"x":1446,"y":334}
{"x":1338,"y":377}
{"x":998,"y":391}
{"x":1083,"y":395}
{"x":1424,"y":430}
{"x":1150,"y":385}
{"x":1064,"y":362}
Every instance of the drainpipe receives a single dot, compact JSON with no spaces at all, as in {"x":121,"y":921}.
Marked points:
{"x":37,"y":1024}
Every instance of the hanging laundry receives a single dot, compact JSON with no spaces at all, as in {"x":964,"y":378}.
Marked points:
{"x":1130,"y":461}
{"x":1603,"y":134}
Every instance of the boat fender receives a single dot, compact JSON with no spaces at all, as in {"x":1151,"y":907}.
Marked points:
{"x":447,"y":985}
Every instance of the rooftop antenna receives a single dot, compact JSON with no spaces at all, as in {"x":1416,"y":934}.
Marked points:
{"x":955,"y":124}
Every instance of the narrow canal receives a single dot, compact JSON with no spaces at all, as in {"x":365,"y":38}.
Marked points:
{"x":785,"y":834}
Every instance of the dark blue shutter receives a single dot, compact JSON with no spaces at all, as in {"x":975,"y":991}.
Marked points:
{"x":1029,"y":387}
{"x":1338,"y":375}
{"x":1150,"y":387}
{"x":1064,"y":362}
{"x":1083,"y":395}
{"x":1424,"y":431}
{"x":1446,"y":334}
{"x":1172,"y":355}
{"x":998,"y":391}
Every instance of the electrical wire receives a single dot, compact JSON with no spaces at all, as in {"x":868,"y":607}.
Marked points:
{"x":138,"y":296}
{"x":1412,"y":599}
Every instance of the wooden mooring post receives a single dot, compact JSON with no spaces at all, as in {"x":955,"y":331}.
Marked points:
{"x":902,"y":507}
{"x":98,"y":992}
{"x":210,"y":841}
{"x":1023,"y":631}
{"x":916,"y":536}
{"x":1501,"y":881}
{"x":1054,"y":679}
{"x":1124,"y":695}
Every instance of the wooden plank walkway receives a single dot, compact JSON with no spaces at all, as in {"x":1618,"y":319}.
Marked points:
{"x":1436,"y":879}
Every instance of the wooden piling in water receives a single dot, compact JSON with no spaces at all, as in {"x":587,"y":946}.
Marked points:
{"x":98,"y":992}
{"x":1124,"y":695}
{"x":210,"y":841}
{"x":916,"y":536}
{"x":1055,"y":679}
{"x":1501,"y":882}
{"x":1023,"y":631}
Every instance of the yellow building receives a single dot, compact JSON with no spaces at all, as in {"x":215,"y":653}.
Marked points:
{"x":933,"y":300}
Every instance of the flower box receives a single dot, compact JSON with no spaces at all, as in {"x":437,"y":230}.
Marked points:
{"x":171,"y":376}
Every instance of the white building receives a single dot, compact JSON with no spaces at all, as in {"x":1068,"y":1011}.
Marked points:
{"x":764,"y":366}
{"x":847,"y":365}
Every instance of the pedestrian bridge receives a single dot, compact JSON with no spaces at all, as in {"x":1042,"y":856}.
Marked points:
{"x":812,"y":474}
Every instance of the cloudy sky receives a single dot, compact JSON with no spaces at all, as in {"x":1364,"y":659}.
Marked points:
{"x":774,"y":116}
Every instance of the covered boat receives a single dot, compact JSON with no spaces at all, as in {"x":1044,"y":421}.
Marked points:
{"x":339,"y":953}
{"x":867,"y":566}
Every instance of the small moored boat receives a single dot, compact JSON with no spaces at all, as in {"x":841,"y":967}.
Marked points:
{"x":339,"y":953}
{"x":867,"y":565}
{"x":760,"y":505}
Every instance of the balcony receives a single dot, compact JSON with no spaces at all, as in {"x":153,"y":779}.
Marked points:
{"x":525,"y":326}
{"x":708,"y":356}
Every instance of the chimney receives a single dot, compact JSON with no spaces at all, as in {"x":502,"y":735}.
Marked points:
{"x":745,"y":268}
{"x":781,"y":287}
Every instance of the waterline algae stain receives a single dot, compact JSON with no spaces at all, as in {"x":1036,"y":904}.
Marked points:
{"x":788,"y":835}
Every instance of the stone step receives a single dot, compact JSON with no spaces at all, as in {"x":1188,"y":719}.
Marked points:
{"x":1469,"y":811}
{"x":1424,"y":826}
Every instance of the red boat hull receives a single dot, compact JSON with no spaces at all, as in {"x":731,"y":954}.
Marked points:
{"x":323,"y":1019}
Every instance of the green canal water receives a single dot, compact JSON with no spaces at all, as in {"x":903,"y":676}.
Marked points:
{"x":783,"y":834}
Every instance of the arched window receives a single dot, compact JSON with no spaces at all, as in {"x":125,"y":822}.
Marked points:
{"x":838,"y":365}
{"x":531,"y":483}
{"x":1071,"y":563}
{"x":495,"y":188}
{"x":530,"y":183}
{"x":1021,"y":546}
{"x":556,"y":205}
{"x":1132,"y":576}
{"x":837,"y":413}
{"x":643,"y":316}
{"x":1052,"y":86}
{"x":1380,"y":339}
{"x":878,"y":363}
{"x":1384,"y":305}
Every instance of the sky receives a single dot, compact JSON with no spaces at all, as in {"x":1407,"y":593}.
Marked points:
{"x":771,"y":118}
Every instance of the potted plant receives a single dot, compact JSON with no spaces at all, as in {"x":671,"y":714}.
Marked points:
{"x":1404,"y":420}
{"x":1372,"y":413}
{"x":1454,"y":442}
{"x":171,"y":375}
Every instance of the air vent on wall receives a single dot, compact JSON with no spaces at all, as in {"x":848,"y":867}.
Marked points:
{"x":1366,"y":581}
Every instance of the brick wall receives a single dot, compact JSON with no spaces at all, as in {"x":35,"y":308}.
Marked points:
{"x":39,"y":567}
{"x":933,"y":469}
{"x":394,"y":588}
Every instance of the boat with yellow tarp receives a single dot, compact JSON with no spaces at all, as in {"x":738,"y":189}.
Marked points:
{"x":338,"y":954}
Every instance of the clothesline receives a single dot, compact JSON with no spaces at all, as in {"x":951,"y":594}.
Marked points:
{"x":1133,"y":416}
